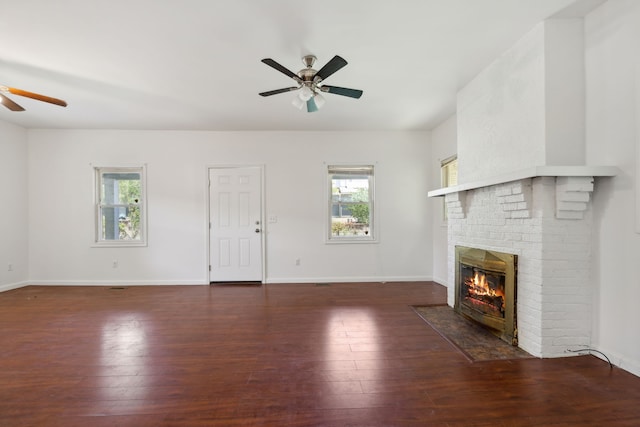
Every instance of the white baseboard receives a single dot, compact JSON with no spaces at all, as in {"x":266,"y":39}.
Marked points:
{"x":331,"y":279}
{"x":622,"y":362}
{"x":347,"y":279}
{"x":10,"y":286}
{"x":116,"y":282}
{"x":441,"y":281}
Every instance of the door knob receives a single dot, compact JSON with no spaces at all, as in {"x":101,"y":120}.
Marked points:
{"x":257,"y":230}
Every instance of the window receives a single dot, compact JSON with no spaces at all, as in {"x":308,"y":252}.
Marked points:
{"x":120,"y":206}
{"x":351,"y":204}
{"x":449,"y":171}
{"x":448,"y":178}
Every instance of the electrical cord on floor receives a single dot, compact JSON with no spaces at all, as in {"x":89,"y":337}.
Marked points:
{"x":590,"y":350}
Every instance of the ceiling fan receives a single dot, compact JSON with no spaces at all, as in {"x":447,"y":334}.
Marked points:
{"x":11,"y":105}
{"x":309,"y":81}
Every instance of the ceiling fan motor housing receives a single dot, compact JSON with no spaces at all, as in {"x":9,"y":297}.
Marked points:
{"x":307,"y":74}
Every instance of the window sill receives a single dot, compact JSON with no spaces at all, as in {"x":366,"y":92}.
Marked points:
{"x":119,"y":244}
{"x":350,"y":240}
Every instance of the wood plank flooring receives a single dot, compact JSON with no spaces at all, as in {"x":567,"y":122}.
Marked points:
{"x":276,"y":355}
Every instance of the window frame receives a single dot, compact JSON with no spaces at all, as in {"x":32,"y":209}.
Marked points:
{"x":448,"y":168}
{"x":351,"y":168}
{"x":98,"y":173}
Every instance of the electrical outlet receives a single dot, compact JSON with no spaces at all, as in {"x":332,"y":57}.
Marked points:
{"x":114,"y":264}
{"x":298,"y":261}
{"x":10,"y":267}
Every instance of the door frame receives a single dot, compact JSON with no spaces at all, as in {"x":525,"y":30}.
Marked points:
{"x":207,"y":216}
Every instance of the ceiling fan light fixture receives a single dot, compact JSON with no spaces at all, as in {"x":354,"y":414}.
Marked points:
{"x":298,"y":103}
{"x":319,"y":99}
{"x":306,"y":93}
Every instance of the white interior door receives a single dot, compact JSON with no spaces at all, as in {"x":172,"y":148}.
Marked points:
{"x":235,"y":215}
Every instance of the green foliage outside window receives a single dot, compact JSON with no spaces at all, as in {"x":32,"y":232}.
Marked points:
{"x":129,"y":225}
{"x":360,"y":211}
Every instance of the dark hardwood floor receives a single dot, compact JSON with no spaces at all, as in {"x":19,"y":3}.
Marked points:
{"x":276,"y":355}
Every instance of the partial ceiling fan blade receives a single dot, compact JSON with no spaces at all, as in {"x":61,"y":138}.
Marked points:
{"x":277,"y":91}
{"x":330,"y":67}
{"x":344,"y":91}
{"x":37,"y":96}
{"x":10,"y":104}
{"x":311,"y":106}
{"x":273,"y":64}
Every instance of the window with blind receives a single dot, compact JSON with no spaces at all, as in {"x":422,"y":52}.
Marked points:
{"x":351,"y":203}
{"x":448,"y":178}
{"x":449,"y":171}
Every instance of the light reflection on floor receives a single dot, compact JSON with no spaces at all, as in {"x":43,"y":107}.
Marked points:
{"x":351,"y":335}
{"x":123,"y":349}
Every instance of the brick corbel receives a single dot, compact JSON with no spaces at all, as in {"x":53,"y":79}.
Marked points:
{"x":572,"y":196}
{"x":456,"y":204}
{"x":515,"y":198}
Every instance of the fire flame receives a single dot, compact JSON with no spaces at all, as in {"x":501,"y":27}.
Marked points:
{"x":478,"y":287}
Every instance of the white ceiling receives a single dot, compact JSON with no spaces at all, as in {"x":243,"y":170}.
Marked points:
{"x":195,"y":64}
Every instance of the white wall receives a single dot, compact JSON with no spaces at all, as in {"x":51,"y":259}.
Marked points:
{"x":529,"y":100}
{"x":443,"y":145}
{"x":61,"y":218}
{"x":13,"y":207}
{"x":613,"y":124}
{"x":501,"y":113}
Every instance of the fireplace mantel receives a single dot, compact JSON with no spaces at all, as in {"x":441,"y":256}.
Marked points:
{"x":537,"y":171}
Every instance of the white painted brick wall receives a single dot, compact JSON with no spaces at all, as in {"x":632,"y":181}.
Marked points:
{"x":546,"y":222}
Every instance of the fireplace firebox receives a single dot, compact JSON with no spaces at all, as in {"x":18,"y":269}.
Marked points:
{"x":485,"y":287}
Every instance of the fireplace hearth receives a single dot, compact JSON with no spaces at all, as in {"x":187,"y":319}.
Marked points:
{"x":485,"y":290}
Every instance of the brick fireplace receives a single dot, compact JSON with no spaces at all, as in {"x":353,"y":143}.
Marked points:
{"x":525,"y":187}
{"x":545,"y":220}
